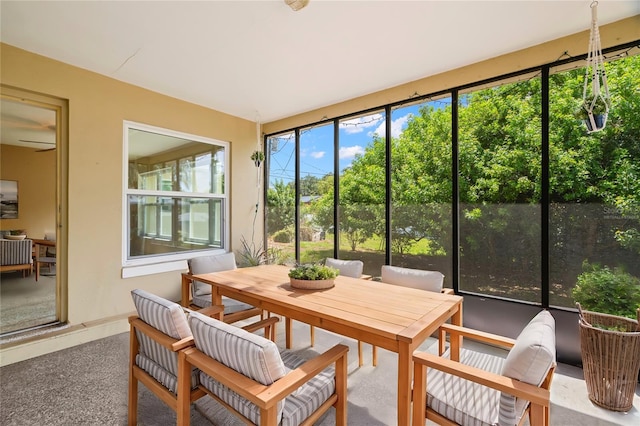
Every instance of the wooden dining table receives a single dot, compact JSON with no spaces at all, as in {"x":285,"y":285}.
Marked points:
{"x":392,"y":317}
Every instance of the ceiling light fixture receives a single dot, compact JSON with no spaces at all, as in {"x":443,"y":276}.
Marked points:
{"x":296,"y":5}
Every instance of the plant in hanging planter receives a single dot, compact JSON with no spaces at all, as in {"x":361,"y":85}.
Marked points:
{"x":599,"y":113}
{"x":257,"y":157}
{"x":313,"y":276}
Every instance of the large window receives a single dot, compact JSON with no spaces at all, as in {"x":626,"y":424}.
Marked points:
{"x":500,"y":155}
{"x":175,"y":194}
{"x":496,"y":184}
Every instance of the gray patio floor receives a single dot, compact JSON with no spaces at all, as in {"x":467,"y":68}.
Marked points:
{"x":87,"y":385}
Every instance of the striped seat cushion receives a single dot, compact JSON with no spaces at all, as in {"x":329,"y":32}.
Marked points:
{"x":169,"y":318}
{"x":461,"y":400}
{"x":259,"y":359}
{"x":469,"y":403}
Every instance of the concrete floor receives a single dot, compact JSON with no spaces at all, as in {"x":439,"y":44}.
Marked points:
{"x":87,"y":385}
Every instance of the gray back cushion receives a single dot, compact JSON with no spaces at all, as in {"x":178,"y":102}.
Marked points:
{"x":529,"y":360}
{"x":348,"y":268}
{"x":161,"y":314}
{"x":206,"y":264}
{"x":414,"y":278}
{"x":247,"y":353}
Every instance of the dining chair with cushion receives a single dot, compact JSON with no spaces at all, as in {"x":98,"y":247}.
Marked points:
{"x":158,"y":333}
{"x":252,"y":378}
{"x":466,"y":386}
{"x":197,"y":295}
{"x":413,"y":278}
{"x":347,"y":268}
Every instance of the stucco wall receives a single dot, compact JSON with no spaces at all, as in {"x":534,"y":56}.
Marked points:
{"x":97,"y":106}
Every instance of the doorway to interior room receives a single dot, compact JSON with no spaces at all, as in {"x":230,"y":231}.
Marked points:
{"x":30,"y":144}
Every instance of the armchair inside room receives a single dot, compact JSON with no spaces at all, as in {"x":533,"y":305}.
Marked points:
{"x":448,"y":387}
{"x":159,"y":331}
{"x":15,"y":255}
{"x":197,"y":295}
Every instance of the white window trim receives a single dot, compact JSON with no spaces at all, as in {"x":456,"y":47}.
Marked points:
{"x":167,"y":262}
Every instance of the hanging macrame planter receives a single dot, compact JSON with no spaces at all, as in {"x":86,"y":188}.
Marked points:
{"x":595,"y":94}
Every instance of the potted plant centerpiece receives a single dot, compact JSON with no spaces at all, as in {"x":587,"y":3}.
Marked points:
{"x":312,"y":276}
{"x":608,"y":302}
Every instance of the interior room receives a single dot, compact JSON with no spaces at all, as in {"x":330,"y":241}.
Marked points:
{"x":139,"y":135}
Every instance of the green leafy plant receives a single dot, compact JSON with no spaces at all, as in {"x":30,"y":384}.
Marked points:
{"x":313,"y":272}
{"x":608,"y":291}
{"x":599,"y":108}
{"x":257,"y":157}
{"x":17,"y":232}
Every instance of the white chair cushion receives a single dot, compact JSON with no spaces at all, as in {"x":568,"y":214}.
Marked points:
{"x":206,"y":264}
{"x":529,"y":360}
{"x":414,"y":278}
{"x":348,"y":268}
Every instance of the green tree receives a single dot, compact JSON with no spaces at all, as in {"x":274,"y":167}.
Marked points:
{"x":281,"y":203}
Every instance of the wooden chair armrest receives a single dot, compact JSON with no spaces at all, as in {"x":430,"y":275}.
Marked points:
{"x":158,"y":336}
{"x":242,"y":315}
{"x":259,"y":394}
{"x":296,"y":378}
{"x":447,"y":291}
{"x":535,"y":394}
{"x":267,"y":324}
{"x":213,"y":311}
{"x":239,"y":383}
{"x":477,"y":335}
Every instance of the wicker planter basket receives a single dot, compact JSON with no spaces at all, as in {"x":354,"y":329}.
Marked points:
{"x":610,"y":359}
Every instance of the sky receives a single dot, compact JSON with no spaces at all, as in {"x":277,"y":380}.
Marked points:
{"x":316,"y":144}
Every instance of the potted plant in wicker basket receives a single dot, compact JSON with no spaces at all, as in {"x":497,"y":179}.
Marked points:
{"x":607,"y":301}
{"x":312,"y":276}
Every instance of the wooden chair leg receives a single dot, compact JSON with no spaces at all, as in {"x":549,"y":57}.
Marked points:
{"x":374,"y":353}
{"x":360,"y":354}
{"x":133,"y":382}
{"x":312,"y":335}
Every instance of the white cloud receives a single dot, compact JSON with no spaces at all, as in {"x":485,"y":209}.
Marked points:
{"x":360,"y":124}
{"x":317,"y":154}
{"x":350,"y":151}
{"x":397,"y":126}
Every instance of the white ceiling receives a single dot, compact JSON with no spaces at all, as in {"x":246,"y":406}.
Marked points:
{"x":260,"y":59}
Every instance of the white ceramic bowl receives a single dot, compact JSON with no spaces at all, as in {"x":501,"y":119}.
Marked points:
{"x":15,"y":237}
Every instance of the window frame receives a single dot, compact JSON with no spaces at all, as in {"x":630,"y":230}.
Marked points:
{"x":150,"y":264}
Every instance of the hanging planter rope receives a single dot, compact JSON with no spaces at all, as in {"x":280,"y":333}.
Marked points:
{"x":595,"y":102}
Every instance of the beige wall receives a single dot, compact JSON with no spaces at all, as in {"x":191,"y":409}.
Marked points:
{"x":35,"y":173}
{"x":98,"y":296}
{"x":97,"y":107}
